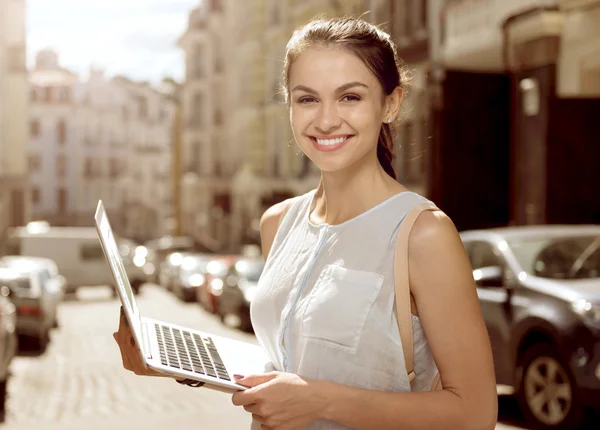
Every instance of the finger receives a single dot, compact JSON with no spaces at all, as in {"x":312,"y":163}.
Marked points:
{"x":254,"y":380}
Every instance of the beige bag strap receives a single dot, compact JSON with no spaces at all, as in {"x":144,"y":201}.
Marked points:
{"x":402,"y":287}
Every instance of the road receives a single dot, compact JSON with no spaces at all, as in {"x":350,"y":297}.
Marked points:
{"x":78,"y":383}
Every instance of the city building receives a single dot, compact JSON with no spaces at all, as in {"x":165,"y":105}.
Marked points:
{"x":148,"y":114}
{"x":208,"y":150}
{"x":14,"y":131}
{"x":53,"y":147}
{"x":95,"y":137}
{"x":517,"y":98}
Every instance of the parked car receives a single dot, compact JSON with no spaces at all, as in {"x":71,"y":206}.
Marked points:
{"x":189,"y":275}
{"x":75,"y":250}
{"x":159,"y":249}
{"x":239,"y":286}
{"x":169,"y":270}
{"x":216,"y":269}
{"x":539,"y":289}
{"x":8,"y":342}
{"x":53,"y":283}
{"x":34,"y":306}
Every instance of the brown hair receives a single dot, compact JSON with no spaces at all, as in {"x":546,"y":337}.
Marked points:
{"x":372,"y":45}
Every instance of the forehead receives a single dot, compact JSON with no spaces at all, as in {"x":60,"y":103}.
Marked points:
{"x":329,"y":68}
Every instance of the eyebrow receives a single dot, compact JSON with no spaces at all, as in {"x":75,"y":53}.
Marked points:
{"x":338,"y":90}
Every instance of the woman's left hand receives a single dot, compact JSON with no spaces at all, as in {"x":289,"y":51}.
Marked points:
{"x":281,"y":401}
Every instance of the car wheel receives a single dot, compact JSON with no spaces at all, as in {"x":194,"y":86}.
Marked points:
{"x":43,"y":341}
{"x":3,"y":391}
{"x":547,"y":393}
{"x":136,"y":284}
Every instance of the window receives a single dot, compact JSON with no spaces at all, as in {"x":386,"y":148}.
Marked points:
{"x":34,"y":163}
{"x":48,"y":94}
{"x":35,"y":128}
{"x":195,"y":162}
{"x":195,"y":118}
{"x":113,"y":168}
{"x":61,"y":132}
{"x":219,"y":55}
{"x":61,"y":167}
{"x":142,"y":107}
{"x":35,"y":195}
{"x":88,"y":171}
{"x":422,"y":10}
{"x":408,"y":21}
{"x":62,"y":200}
{"x":195,"y":62}
{"x":276,"y":17}
{"x":484,"y":254}
{"x":16,"y":59}
{"x":218,"y":168}
{"x":91,"y":251}
{"x":64,"y":94}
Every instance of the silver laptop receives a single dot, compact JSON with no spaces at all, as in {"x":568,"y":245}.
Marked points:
{"x":176,"y":350}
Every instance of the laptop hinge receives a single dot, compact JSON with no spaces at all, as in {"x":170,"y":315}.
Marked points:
{"x":146,"y":340}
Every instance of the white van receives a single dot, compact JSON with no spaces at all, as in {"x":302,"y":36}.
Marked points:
{"x":76,"y":251}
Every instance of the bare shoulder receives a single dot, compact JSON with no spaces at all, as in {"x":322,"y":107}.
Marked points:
{"x":433,"y":230}
{"x":269,"y":223}
{"x":435,"y":247}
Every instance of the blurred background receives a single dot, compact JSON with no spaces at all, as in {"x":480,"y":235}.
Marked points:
{"x":170,"y":112}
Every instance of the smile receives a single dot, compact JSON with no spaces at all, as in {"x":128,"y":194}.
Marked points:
{"x":330,"y":144}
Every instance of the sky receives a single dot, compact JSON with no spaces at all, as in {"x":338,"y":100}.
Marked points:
{"x":135,"y":38}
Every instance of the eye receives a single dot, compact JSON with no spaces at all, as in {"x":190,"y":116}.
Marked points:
{"x":351,"y":98}
{"x":306,"y":100}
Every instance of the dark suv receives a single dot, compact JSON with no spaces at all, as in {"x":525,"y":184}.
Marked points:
{"x":539,"y":288}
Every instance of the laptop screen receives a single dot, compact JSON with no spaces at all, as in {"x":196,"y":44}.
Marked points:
{"x":111,"y":251}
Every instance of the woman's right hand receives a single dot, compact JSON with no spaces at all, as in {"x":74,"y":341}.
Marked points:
{"x":130,"y":353}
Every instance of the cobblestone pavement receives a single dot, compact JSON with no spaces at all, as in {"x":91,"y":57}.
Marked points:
{"x":78,"y":383}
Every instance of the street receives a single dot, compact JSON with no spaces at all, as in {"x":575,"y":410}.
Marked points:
{"x":79,"y":382}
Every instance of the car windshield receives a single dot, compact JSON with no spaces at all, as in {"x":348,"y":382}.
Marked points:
{"x":575,"y":257}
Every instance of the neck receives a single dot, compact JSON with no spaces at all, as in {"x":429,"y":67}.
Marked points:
{"x":344,"y":195}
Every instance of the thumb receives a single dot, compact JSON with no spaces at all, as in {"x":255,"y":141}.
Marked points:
{"x":254,"y":380}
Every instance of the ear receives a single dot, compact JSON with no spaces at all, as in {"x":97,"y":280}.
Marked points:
{"x":392,"y":104}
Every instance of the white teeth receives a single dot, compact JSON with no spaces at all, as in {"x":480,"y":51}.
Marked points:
{"x":329,"y":142}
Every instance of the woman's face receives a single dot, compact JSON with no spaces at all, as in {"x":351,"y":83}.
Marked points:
{"x":336,"y":108}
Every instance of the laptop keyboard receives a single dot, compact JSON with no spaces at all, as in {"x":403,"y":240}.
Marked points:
{"x":189,"y":351}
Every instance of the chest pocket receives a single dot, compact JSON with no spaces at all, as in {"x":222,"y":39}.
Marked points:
{"x":338,"y":306}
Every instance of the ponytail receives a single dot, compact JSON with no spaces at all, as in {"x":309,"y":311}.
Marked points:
{"x":385,"y":150}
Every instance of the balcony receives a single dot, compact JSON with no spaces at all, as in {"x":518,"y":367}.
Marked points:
{"x":473,"y":31}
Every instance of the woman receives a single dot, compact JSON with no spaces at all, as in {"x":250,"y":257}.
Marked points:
{"x":324,"y":308}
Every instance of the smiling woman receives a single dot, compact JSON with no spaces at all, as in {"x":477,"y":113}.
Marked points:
{"x":366,"y":305}
{"x":326,"y":309}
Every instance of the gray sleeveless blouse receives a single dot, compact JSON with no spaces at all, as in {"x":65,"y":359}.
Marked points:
{"x":325,"y":303}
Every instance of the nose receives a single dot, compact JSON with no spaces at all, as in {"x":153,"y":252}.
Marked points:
{"x":328,"y":118}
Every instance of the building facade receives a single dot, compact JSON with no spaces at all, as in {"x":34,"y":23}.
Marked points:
{"x":95,"y":137}
{"x":527,"y":77}
{"x":14,"y":131}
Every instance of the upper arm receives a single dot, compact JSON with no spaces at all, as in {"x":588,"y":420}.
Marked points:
{"x":441,"y":280}
{"x":269,"y":223}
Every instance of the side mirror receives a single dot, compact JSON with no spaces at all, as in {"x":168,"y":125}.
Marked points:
{"x":492,"y":276}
